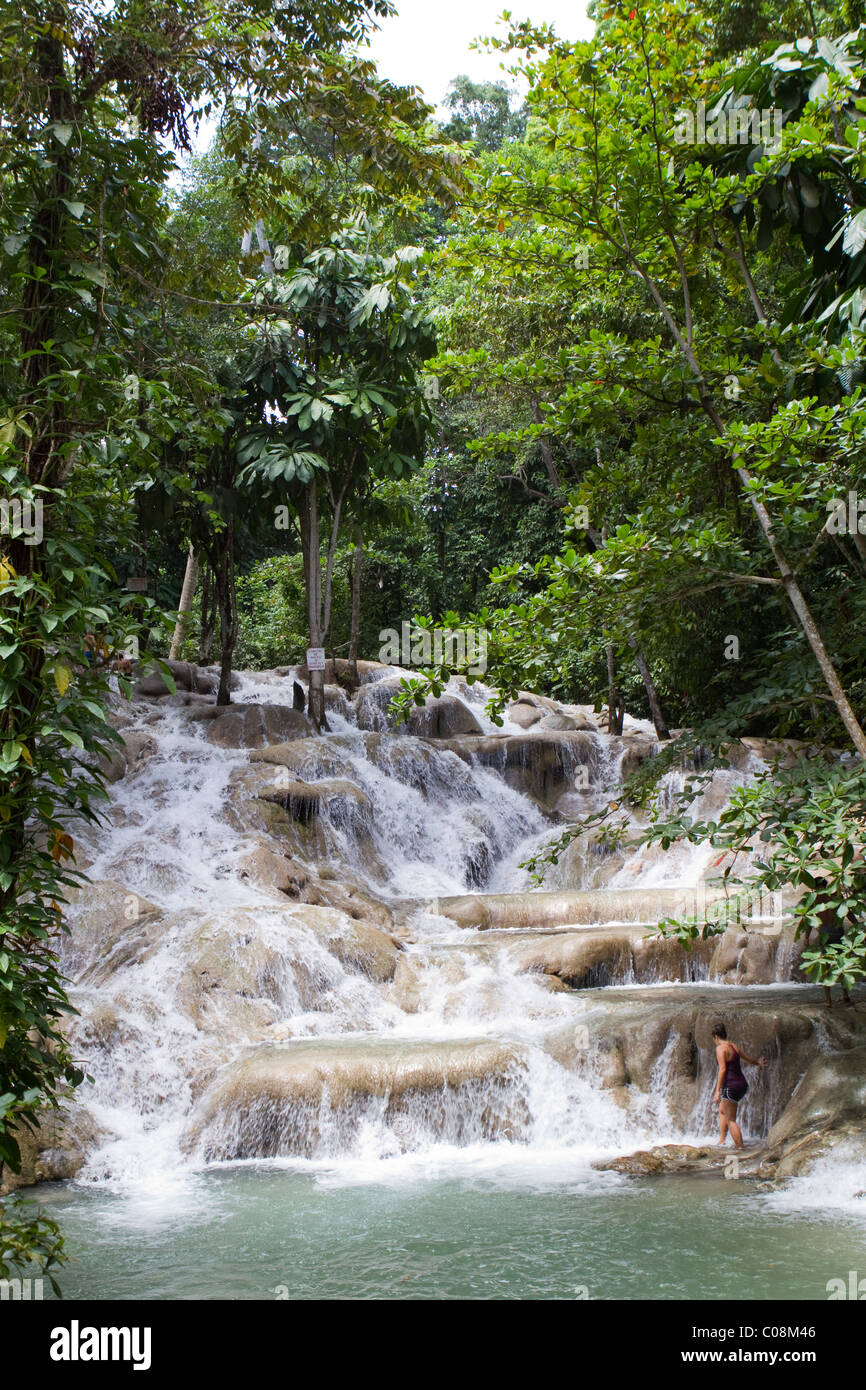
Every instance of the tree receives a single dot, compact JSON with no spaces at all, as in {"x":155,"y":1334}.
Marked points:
{"x":88,"y":94}
{"x":334,"y":396}
{"x":621,"y":197}
{"x":482,"y":113}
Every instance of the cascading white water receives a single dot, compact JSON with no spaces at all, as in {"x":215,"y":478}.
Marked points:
{"x":213,"y":967}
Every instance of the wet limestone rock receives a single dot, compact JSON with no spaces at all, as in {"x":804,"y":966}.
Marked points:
{"x":362,"y":948}
{"x":268,"y":868}
{"x":665,"y":1158}
{"x":278,"y":1098}
{"x":442,"y":717}
{"x":128,"y":756}
{"x":485,"y":911}
{"x":603,"y":956}
{"x":239,"y":975}
{"x":827,"y":1109}
{"x":187,"y":677}
{"x":523,"y":712}
{"x":55,"y":1151}
{"x":256,"y":726}
{"x":541,"y":763}
{"x":756,"y":957}
{"x":110,"y":927}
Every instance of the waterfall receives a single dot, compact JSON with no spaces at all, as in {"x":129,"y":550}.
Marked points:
{"x":266,"y":969}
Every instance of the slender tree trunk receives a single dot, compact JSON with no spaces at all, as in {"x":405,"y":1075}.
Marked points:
{"x":354,"y":634}
{"x":658,"y":718}
{"x":228,"y":612}
{"x":310,"y":545}
{"x":546,"y":451}
{"x":788,"y":578}
{"x":208,"y":616}
{"x":187,"y":594}
{"x":615,"y":709}
{"x":798,"y":602}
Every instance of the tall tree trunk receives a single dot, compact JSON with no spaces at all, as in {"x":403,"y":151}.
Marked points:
{"x":187,"y":594}
{"x":615,"y":709}
{"x":228,"y":611}
{"x":658,"y":718}
{"x":792,"y":588}
{"x":354,"y":634}
{"x":544,"y":443}
{"x":310,"y":546}
{"x":208,"y":615}
{"x":798,"y":602}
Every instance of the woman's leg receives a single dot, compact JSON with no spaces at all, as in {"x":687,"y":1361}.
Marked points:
{"x":723,"y":1121}
{"x":728,"y":1110}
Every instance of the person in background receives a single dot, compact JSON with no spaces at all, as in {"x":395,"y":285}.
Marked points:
{"x":731,"y":1085}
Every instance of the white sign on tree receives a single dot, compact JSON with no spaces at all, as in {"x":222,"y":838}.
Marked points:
{"x":315,"y":658}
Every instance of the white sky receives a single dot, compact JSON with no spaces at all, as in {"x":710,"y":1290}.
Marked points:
{"x":426,"y":43}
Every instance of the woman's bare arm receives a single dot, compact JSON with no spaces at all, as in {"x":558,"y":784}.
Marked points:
{"x":752,"y":1061}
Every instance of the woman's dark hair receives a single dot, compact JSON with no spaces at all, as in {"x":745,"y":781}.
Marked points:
{"x":719,"y":1030}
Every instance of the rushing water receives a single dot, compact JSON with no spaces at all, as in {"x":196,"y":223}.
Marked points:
{"x":479,"y":1185}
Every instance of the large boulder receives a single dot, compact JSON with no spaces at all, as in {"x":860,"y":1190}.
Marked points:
{"x":311,"y":1096}
{"x":55,"y":1151}
{"x":523,"y":712}
{"x":342,"y":802}
{"x":361,"y":948}
{"x":442,"y":717}
{"x":445,"y":717}
{"x":309,"y":760}
{"x":828,"y":1109}
{"x":110,"y":926}
{"x":759,"y":957}
{"x":660,"y":1043}
{"x":593,"y":958}
{"x":187,"y":677}
{"x":590,"y":907}
{"x":371,"y":703}
{"x":128,"y":756}
{"x":541,"y":763}
{"x":269,"y":868}
{"x":256,"y":726}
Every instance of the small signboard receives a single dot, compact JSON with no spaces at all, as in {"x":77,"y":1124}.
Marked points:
{"x":136,"y":584}
{"x":315,"y":658}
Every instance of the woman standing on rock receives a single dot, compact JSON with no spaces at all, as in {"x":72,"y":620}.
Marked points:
{"x":731,"y":1085}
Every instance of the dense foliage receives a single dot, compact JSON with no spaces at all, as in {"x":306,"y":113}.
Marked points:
{"x":586,"y":371}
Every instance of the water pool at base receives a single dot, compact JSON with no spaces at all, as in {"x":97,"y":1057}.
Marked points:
{"x":267,"y":1233}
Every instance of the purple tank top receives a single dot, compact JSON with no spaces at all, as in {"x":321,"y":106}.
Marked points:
{"x":734,"y":1073}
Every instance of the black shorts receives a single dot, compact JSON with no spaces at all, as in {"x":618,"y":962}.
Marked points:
{"x":734,"y":1093}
